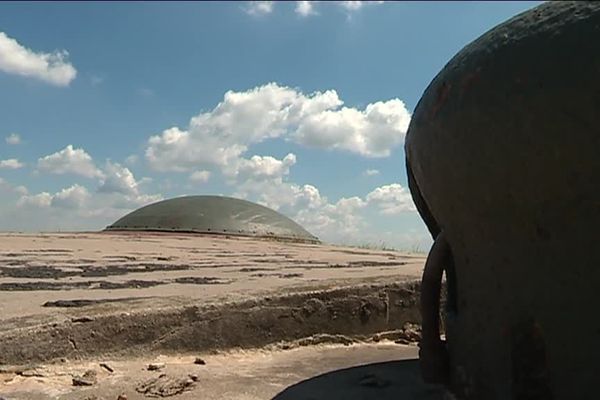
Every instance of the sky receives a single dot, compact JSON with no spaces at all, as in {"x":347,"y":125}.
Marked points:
{"x":300,"y":106}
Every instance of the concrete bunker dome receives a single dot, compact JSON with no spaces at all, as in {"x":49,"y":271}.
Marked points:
{"x":213,"y":215}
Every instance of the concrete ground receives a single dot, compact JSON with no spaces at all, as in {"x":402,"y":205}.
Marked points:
{"x":359,"y":372}
{"x":141,"y":270}
{"x":70,"y":301}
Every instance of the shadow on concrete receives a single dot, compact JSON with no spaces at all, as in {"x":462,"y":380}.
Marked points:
{"x":392,"y":380}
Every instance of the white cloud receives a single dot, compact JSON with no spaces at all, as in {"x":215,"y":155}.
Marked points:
{"x":351,"y":5}
{"x":200,"y":176}
{"x":180,"y":151}
{"x":76,"y":205}
{"x":52,"y":68}
{"x":371,"y":172}
{"x":259,"y":7}
{"x":373,"y":132}
{"x":118,"y":179}
{"x":73,"y":197}
{"x":40,"y":200}
{"x":107,"y":204}
{"x":391,"y":199}
{"x":221,"y":136}
{"x":305,"y":8}
{"x":119,"y":189}
{"x":118,"y":192}
{"x":333,"y":222}
{"x":13,"y":138}
{"x":348,"y":220}
{"x":5,"y":186}
{"x":357,"y":5}
{"x":262,"y":178}
{"x":282,"y":196}
{"x":69,"y":161}
{"x":349,"y":205}
{"x":11,"y":163}
{"x":264,"y":167}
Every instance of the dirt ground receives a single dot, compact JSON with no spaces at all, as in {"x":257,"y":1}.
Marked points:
{"x":71,"y":300}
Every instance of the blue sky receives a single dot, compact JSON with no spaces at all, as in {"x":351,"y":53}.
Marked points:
{"x":301,"y":106}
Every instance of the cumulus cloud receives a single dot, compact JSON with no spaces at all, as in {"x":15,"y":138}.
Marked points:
{"x":13,"y":139}
{"x":76,"y":207}
{"x":337,"y":221}
{"x":200,"y":176}
{"x":282,"y":196}
{"x":69,"y":161}
{"x":391,"y":199}
{"x":259,"y":7}
{"x":117,"y":193}
{"x":40,"y":200}
{"x":344,"y":221}
{"x":221,"y":136}
{"x":52,"y":67}
{"x":73,"y":208}
{"x":371,"y":172}
{"x":305,"y":8}
{"x":105,"y":205}
{"x":118,"y":179}
{"x":180,"y":151}
{"x":114,"y":204}
{"x":263,"y":179}
{"x":73,"y":197}
{"x":264,"y":167}
{"x":121,"y":190}
{"x":7,"y":187}
{"x":11,"y":163}
{"x":373,"y":132}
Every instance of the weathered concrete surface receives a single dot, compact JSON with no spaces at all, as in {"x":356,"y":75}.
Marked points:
{"x":504,"y":150}
{"x":86,"y":295}
{"x":391,"y":373}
